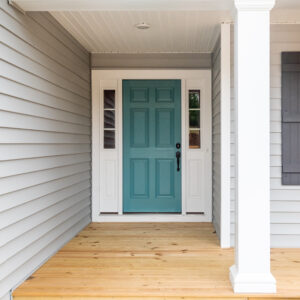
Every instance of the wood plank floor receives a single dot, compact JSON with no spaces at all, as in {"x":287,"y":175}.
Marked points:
{"x":149,"y":261}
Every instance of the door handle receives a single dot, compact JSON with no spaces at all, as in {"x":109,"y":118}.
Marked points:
{"x":178,"y":155}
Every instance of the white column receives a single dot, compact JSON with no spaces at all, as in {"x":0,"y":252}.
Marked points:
{"x":251,"y":272}
{"x":225,"y":136}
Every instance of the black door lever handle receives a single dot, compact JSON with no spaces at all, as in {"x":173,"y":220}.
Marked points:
{"x":178,"y":155}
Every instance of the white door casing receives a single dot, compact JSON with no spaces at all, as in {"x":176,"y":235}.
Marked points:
{"x":107,"y":171}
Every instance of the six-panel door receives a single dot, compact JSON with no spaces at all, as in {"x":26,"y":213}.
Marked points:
{"x":151,"y":130}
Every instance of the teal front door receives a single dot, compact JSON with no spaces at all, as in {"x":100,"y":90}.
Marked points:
{"x":151,"y":135}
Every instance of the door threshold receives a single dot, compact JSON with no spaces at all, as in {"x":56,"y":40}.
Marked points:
{"x":152,"y":217}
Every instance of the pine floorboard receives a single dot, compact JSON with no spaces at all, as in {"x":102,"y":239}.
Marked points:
{"x":150,"y":261}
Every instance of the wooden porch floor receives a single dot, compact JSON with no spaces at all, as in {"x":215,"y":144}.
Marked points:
{"x":150,"y":261}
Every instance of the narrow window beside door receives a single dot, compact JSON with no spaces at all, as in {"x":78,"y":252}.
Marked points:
{"x":194,"y":119}
{"x":109,"y":118}
{"x":290,"y":118}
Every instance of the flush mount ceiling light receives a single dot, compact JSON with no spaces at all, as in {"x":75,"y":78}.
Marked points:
{"x":142,"y":25}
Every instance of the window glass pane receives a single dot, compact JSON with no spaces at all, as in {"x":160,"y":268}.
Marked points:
{"x":109,"y":139}
{"x":109,"y":119}
{"x":109,"y":99}
{"x":195,"y":118}
{"x":194,"y":98}
{"x":194,"y":139}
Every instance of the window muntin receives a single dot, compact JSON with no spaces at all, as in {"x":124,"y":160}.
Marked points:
{"x":109,"y":113}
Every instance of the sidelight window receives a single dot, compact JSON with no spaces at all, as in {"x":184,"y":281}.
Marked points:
{"x":109,"y":118}
{"x":194,"y":119}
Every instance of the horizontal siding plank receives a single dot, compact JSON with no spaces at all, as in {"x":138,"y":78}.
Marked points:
{"x":21,"y":136}
{"x":22,"y":181}
{"x":25,"y":210}
{"x":286,"y":194}
{"x":22,"y":166}
{"x":46,"y":21}
{"x":279,"y":218}
{"x":282,"y":229}
{"x":16,"y":74}
{"x":28,"y":93}
{"x":285,"y":205}
{"x":14,"y":42}
{"x":27,"y":29}
{"x":277,"y":185}
{"x":30,"y":151}
{"x":285,"y":241}
{"x":23,"y":196}
{"x":18,"y":244}
{"x":16,"y":58}
{"x":14,"y":120}
{"x":10,"y":266}
{"x":26,"y":225}
{"x":12,"y":104}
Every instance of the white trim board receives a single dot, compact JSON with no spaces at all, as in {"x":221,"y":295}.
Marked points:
{"x":152,"y":218}
{"x":225,"y":136}
{"x":119,"y":5}
{"x":111,"y":160}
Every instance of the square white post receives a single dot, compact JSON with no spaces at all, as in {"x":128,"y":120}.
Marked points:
{"x":225,"y":136}
{"x":251,"y":272}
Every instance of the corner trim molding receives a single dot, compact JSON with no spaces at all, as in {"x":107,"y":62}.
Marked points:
{"x":252,"y":283}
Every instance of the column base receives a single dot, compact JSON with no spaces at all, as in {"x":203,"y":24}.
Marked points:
{"x":250,"y":283}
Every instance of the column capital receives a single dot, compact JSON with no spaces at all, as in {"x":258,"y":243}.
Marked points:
{"x":254,"y":5}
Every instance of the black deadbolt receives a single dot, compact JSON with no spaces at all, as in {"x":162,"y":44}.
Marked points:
{"x":178,"y":145}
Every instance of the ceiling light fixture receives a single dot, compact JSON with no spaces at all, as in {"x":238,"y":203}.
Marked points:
{"x":142,"y":25}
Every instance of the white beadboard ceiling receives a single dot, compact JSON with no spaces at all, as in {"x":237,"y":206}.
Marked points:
{"x":177,"y":26}
{"x":170,"y":31}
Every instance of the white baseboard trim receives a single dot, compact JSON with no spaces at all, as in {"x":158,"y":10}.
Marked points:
{"x":152,"y":218}
{"x":251,"y":283}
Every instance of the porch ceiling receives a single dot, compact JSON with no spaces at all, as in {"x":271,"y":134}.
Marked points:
{"x":177,"y":26}
{"x":170,"y":31}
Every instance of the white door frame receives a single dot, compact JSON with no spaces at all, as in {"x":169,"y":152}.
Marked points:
{"x":106,"y":79}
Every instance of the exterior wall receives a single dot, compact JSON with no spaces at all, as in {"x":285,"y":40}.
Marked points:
{"x":45,"y":141}
{"x":216,"y":138}
{"x":151,"y":60}
{"x":285,"y":200}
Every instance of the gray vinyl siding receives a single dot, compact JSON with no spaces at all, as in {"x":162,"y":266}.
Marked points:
{"x":151,"y":60}
{"x":45,"y":141}
{"x":285,"y":200}
{"x":216,"y":138}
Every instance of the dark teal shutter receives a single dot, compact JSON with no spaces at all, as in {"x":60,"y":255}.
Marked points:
{"x":290,"y":118}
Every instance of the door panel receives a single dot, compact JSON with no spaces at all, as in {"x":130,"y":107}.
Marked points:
{"x":139,"y":171}
{"x":151,"y":129}
{"x":164,"y":123}
{"x":164,"y":178}
{"x":139,"y":128}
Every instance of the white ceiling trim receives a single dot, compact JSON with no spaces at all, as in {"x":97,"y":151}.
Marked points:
{"x":119,"y":5}
{"x":145,"y":5}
